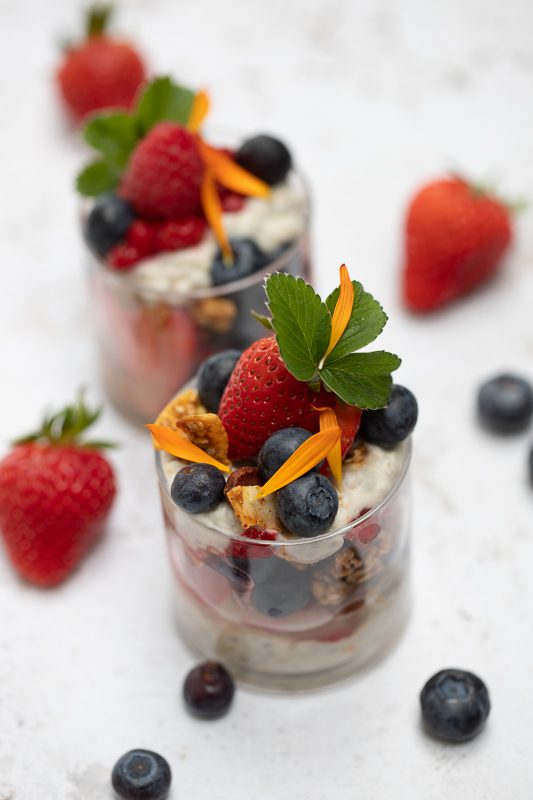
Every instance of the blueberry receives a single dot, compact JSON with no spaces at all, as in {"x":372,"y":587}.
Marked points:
{"x":505,"y":404}
{"x":213,"y":376}
{"x":280,"y":589}
{"x":388,"y":426}
{"x":308,"y":505}
{"x":455,"y":705}
{"x":208,"y":690}
{"x":235,"y":570}
{"x":141,"y":775}
{"x":108,"y":223}
{"x":278,"y":448}
{"x":247,"y":259}
{"x":265,"y":157}
{"x":198,"y":487}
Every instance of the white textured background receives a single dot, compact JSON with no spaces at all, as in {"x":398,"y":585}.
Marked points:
{"x":375,"y":97}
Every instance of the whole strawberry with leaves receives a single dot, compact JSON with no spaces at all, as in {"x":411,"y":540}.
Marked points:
{"x":101,"y":71}
{"x":56,"y":492}
{"x":309,"y":363}
{"x":456,"y":235}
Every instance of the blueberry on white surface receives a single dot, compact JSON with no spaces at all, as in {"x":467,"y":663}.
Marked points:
{"x":213,"y":376}
{"x":265,"y":157}
{"x":141,"y":775}
{"x":278,"y":448}
{"x":308,"y":505}
{"x":197,"y":488}
{"x":208,"y":690}
{"x":455,"y":705}
{"x":389,"y":426}
{"x":107,"y":223}
{"x":505,"y":404}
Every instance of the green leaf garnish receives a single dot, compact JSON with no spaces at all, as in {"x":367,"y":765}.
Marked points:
{"x":301,"y":321}
{"x":97,"y":178}
{"x":361,"y":379}
{"x":263,"y":320}
{"x":114,"y":135}
{"x":163,"y":100}
{"x":366,"y":322}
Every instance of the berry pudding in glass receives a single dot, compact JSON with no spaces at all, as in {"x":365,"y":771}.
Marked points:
{"x":181,"y":234}
{"x":284,"y":481}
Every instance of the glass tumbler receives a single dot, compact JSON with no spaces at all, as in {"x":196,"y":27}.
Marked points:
{"x":296,"y":614}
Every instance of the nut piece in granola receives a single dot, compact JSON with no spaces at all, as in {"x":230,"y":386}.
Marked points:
{"x":244,"y":476}
{"x":253,"y":511}
{"x":207,"y":432}
{"x":215,"y":313}
{"x":357,"y":456}
{"x":339,"y":578}
{"x":184,"y":405}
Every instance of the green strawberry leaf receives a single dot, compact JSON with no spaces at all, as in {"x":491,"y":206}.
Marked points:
{"x":301,"y":321}
{"x":361,"y":379}
{"x":97,"y":178}
{"x":163,"y":100}
{"x":263,"y":320}
{"x":366,"y":322}
{"x":114,"y":135}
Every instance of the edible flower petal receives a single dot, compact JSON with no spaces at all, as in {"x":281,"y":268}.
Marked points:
{"x":178,"y":445}
{"x":230,"y":174}
{"x":302,"y":460}
{"x":342,"y":312}
{"x":213,"y":212}
{"x":199,"y":111}
{"x":328,"y":419}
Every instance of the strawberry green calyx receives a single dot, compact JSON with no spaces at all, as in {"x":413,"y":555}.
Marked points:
{"x":115,"y":135}
{"x":306,"y":327}
{"x":66,"y":427}
{"x":98,"y":17}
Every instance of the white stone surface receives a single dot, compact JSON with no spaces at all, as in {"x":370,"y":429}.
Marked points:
{"x":374,"y":96}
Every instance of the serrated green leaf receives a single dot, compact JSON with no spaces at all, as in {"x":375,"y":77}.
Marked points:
{"x":362,"y":379}
{"x":97,"y":178}
{"x":301,"y":321}
{"x":114,"y":135}
{"x":164,"y":100}
{"x":366,"y":322}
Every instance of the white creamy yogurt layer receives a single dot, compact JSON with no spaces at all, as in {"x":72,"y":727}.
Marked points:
{"x":363,"y":486}
{"x":270,"y":222}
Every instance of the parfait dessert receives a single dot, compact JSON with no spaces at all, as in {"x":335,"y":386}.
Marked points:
{"x":181,"y":231}
{"x":283,"y":475}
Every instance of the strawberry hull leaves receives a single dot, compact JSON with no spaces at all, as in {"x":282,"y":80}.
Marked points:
{"x":115,"y":135}
{"x":302,"y":324}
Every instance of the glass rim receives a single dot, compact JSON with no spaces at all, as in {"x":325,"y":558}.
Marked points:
{"x":126,"y":279}
{"x":301,"y":540}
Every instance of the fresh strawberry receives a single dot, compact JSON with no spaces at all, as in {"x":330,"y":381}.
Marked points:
{"x":179,"y":233}
{"x":261,"y":397}
{"x":100,"y":72}
{"x":349,"y":419}
{"x":456,"y":236}
{"x":55,"y":495}
{"x":231,"y":201}
{"x":164,"y":174}
{"x":142,"y":236}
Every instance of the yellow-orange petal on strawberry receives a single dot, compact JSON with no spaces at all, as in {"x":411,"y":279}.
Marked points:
{"x":302,"y":460}
{"x":199,"y":111}
{"x":212,"y":208}
{"x":178,"y":445}
{"x":342,"y":311}
{"x":327,"y":420}
{"x":230,"y":174}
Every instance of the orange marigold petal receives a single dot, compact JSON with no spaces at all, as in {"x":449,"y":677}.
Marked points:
{"x":213,"y":211}
{"x":230,"y":174}
{"x":328,"y":419}
{"x":343,"y":310}
{"x":178,"y":445}
{"x":302,"y":460}
{"x":199,"y":111}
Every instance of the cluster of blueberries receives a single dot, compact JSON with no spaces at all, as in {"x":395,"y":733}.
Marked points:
{"x":455,"y":705}
{"x":268,"y":158}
